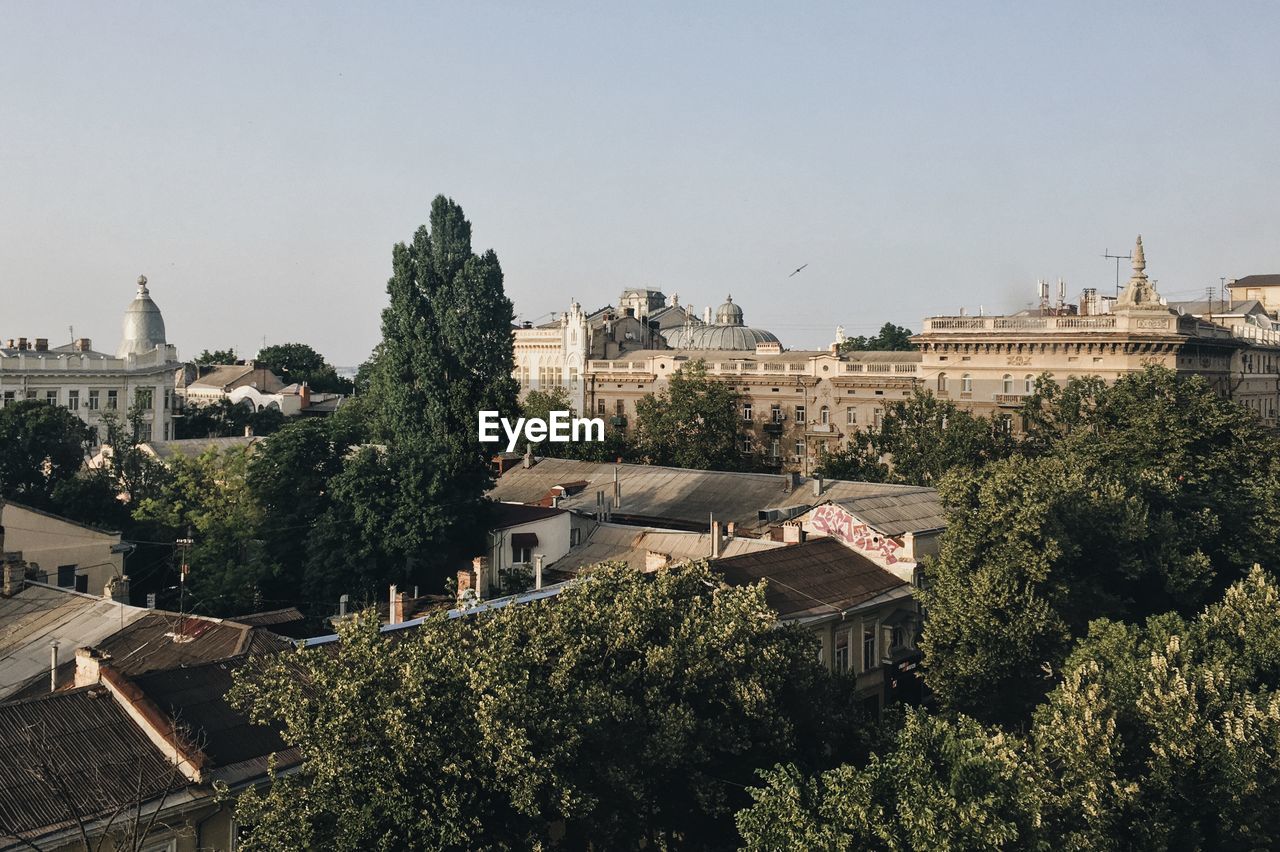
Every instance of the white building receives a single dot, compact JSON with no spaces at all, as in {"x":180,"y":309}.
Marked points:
{"x":92,"y":383}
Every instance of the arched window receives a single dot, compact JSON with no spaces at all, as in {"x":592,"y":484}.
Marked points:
{"x":966,"y":383}
{"x":1029,"y":384}
{"x":1006,"y":384}
{"x":942,"y":382}
{"x":824,"y":415}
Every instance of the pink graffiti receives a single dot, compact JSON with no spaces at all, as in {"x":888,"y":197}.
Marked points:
{"x":836,"y":522}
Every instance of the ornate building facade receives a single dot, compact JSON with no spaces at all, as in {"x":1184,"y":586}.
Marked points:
{"x":91,"y":383}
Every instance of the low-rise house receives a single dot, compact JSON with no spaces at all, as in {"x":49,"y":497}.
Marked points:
{"x":255,"y":387}
{"x":520,"y":537}
{"x":892,"y":530}
{"x":67,"y":553}
{"x":866,"y":618}
{"x":649,"y":548}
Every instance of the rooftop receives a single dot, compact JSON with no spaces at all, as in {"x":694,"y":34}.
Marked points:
{"x":629,"y":544}
{"x":819,"y":577}
{"x":192,"y":447}
{"x":514,"y":514}
{"x":679,"y":498}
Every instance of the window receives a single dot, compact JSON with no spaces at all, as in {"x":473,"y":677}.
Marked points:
{"x":775,"y":413}
{"x":67,"y":576}
{"x":168,"y":400}
{"x":801,"y":448}
{"x":600,"y":407}
{"x":841,"y":656}
{"x":744,"y":444}
{"x":93,"y":400}
{"x":851,"y":416}
{"x":1006,"y":384}
{"x":523,"y":553}
{"x":142,"y":398}
{"x":144,"y":432}
{"x":620,"y":407}
{"x":775,"y":450}
{"x":746,"y":411}
{"x":876,"y":417}
{"x":1029,"y":383}
{"x":942,"y":382}
{"x":966,"y":383}
{"x":73,"y":400}
{"x":573,"y":376}
{"x":51,"y":397}
{"x":113,"y":400}
{"x":799,"y":413}
{"x":868,"y":648}
{"x":824,"y":415}
{"x":8,"y":397}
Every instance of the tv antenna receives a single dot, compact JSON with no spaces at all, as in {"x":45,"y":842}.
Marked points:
{"x":1117,"y":258}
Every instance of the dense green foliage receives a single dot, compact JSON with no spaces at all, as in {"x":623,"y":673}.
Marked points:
{"x":1160,"y":737}
{"x":890,"y":338}
{"x":1127,"y":501}
{"x":629,"y":710}
{"x":217,"y":356}
{"x":42,"y":447}
{"x":298,"y":362}
{"x":223,"y":419}
{"x":446,"y":354}
{"x":692,"y":422}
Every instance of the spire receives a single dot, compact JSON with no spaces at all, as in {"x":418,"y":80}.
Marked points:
{"x":142,"y":286}
{"x":1140,"y":293}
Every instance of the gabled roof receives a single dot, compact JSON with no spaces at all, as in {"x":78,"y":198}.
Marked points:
{"x":819,"y":577}
{"x":895,"y":514}
{"x":99,"y":758}
{"x":680,"y":498}
{"x":192,"y":447}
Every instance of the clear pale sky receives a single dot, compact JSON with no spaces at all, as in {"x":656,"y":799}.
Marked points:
{"x":257,"y":161}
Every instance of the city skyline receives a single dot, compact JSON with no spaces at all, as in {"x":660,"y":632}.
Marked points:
{"x":257,"y":164}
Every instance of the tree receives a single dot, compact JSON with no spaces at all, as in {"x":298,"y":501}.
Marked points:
{"x":41,"y":446}
{"x":208,"y":499}
{"x":446,"y":353}
{"x":857,"y":461}
{"x":692,"y":422}
{"x":626,"y":710}
{"x":298,"y":362}
{"x":221,"y":418}
{"x":1143,"y":497}
{"x":924,"y":438}
{"x":217,"y":356}
{"x":945,"y":784}
{"x":891,"y":338}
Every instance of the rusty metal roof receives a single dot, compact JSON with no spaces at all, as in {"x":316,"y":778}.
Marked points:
{"x":686,"y":499}
{"x":629,"y":544}
{"x":819,"y":577}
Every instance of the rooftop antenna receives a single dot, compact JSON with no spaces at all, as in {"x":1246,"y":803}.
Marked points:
{"x":1208,"y":297}
{"x":1117,"y":258}
{"x":1042,"y":287}
{"x":1062,"y":294}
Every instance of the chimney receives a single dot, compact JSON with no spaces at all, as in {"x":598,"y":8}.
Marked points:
{"x":480,"y":566}
{"x":654,"y":561}
{"x":53,"y":665}
{"x":42,"y":344}
{"x":791,"y":533}
{"x":716,"y":542}
{"x":15,"y":575}
{"x":528,"y":458}
{"x":305,"y":393}
{"x":617,"y":490}
{"x":117,"y":589}
{"x":89,"y":666}
{"x":22,"y":343}
{"x":790,"y":482}
{"x":537,"y":570}
{"x":817,"y":486}
{"x":466,"y":580}
{"x":343,"y":603}
{"x":729,"y":529}
{"x":248,"y":431}
{"x":397,"y":607}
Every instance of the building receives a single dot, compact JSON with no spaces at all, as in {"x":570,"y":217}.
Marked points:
{"x":254,"y":387}
{"x":92,"y":384}
{"x":66,"y":553}
{"x":523,"y":539}
{"x":1260,"y":288}
{"x":989,"y":364}
{"x":794,"y":405}
{"x":729,"y":332}
{"x":866,"y":618}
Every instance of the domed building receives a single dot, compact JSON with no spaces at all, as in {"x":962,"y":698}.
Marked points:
{"x":728,"y":332}
{"x":143,"y":324}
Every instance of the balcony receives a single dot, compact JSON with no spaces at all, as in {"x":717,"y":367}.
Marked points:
{"x":821,"y":428}
{"x":774,"y":427}
{"x":1013,"y":400}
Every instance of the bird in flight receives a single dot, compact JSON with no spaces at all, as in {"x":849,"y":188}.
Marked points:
{"x":802,"y":266}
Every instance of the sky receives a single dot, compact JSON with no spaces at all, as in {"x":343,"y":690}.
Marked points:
{"x":258,"y":161}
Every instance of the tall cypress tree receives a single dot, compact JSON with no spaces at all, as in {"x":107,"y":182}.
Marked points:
{"x":446,"y":353}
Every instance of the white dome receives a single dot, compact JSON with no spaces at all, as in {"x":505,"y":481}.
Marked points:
{"x":143,"y":324}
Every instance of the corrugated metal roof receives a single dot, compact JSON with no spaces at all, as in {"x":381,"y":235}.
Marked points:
{"x":895,"y":514}
{"x":193,"y":447}
{"x":39,"y":614}
{"x":629,"y":544}
{"x":819,"y":577}
{"x":101,"y":759}
{"x":677,"y":497}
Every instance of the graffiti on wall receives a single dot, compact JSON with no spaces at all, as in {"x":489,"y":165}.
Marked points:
{"x":831,"y":520}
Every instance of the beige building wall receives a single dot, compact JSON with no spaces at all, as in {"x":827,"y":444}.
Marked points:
{"x":69,"y":554}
